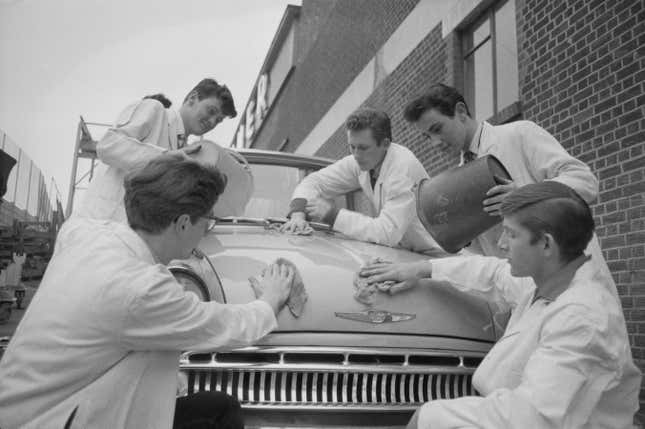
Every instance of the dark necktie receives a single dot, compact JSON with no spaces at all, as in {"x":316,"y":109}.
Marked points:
{"x":373,"y":177}
{"x":181,"y":141}
{"x":469,"y":156}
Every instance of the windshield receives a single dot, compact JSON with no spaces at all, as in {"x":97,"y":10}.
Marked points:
{"x":274,"y":186}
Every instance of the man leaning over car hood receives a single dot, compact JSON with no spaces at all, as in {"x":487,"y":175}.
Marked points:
{"x":385,"y":171}
{"x":102,"y":336}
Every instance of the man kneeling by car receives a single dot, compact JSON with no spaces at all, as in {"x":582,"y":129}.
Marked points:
{"x":99,"y":345}
{"x":564,"y":360}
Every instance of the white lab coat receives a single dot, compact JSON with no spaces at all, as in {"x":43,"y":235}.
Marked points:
{"x":143,"y":131}
{"x":563,"y":362}
{"x":104,"y":331}
{"x":530,"y":155}
{"x":392,"y":198}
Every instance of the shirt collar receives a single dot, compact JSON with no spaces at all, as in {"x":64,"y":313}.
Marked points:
{"x":474,"y":143}
{"x":175,"y":121}
{"x":133,"y":241}
{"x":560,"y":281}
{"x":376,"y":171}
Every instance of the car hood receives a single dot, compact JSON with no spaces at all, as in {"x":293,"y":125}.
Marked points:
{"x":328,"y":263}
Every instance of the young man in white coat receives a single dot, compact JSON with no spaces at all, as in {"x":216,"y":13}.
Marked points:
{"x":143,"y":131}
{"x":528,"y":152}
{"x":564,"y":360}
{"x":385,"y":171}
{"x":99,"y":344}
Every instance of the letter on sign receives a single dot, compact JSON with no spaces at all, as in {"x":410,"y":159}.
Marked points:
{"x":261,"y":108}
{"x":250,"y":119}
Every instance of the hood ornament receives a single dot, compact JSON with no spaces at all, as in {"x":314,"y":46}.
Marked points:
{"x":376,"y":316}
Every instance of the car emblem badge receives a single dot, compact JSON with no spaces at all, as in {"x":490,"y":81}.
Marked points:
{"x":376,"y":316}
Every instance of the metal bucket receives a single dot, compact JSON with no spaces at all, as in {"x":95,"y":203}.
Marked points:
{"x":239,"y":185}
{"x":449,"y":205}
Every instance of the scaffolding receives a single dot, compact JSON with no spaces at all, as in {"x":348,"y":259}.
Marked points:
{"x":85,"y":149}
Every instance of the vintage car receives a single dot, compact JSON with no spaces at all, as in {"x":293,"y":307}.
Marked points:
{"x":341,"y":363}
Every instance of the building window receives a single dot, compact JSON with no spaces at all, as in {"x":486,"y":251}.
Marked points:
{"x":490,"y":62}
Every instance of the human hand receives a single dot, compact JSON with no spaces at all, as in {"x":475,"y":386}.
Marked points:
{"x":406,"y":274}
{"x":318,"y":208}
{"x":274,"y":286}
{"x":497,"y":194}
{"x":297,"y":223}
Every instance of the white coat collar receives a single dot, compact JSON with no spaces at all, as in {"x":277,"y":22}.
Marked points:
{"x":132,"y":240}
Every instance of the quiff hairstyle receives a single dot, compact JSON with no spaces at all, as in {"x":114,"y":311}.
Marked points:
{"x":375,"y":120}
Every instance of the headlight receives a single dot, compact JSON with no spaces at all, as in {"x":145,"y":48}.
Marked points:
{"x":191,"y":282}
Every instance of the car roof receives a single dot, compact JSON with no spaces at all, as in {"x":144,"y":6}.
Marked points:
{"x":255,"y":156}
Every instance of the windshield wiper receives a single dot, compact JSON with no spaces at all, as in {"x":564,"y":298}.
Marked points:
{"x":241,"y":220}
{"x":318,"y":226}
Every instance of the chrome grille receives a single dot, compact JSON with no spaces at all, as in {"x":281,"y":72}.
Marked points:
{"x":360,"y":380}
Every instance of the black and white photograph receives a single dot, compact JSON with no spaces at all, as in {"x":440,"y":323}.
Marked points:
{"x":322,"y":214}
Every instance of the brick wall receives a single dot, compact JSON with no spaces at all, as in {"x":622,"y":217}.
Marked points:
{"x":583,"y":79}
{"x":347,"y":40}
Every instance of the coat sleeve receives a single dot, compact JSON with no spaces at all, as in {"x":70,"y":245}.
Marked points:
{"x":392,"y":221}
{"x":122,"y":146}
{"x":487,"y":277}
{"x":336,"y":179}
{"x":548,"y":160}
{"x":561,"y":384}
{"x":165,"y":317}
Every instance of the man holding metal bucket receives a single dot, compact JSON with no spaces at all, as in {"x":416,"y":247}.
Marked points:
{"x":528,"y":152}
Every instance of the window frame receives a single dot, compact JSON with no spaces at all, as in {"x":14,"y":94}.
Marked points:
{"x":511,"y":111}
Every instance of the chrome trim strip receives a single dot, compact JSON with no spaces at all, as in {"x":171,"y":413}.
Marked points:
{"x":252,"y":386}
{"x":229,"y":383}
{"x":364,"y":377}
{"x":262,"y":382}
{"x":334,"y":391}
{"x":240,"y":383}
{"x":422,"y":380}
{"x":218,"y":378}
{"x":283,"y":387}
{"x":196,"y":383}
{"x":272,"y":395}
{"x":314,"y":388}
{"x":352,"y":350}
{"x":303,"y":387}
{"x":332,"y":368}
{"x":335,"y":407}
{"x":325,"y":379}
{"x":207,"y":383}
{"x":344,"y":399}
{"x":294,"y":382}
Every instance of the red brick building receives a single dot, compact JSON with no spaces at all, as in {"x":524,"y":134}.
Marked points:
{"x":575,"y":67}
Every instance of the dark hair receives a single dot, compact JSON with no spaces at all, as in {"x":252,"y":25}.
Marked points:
{"x":160,"y":98}
{"x":442,"y":97}
{"x":554,"y":208}
{"x":168,"y":187}
{"x":207,"y":88}
{"x":376,"y":120}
